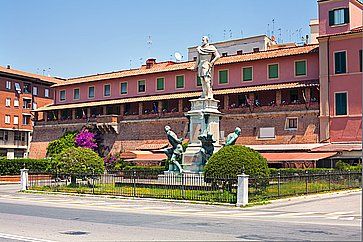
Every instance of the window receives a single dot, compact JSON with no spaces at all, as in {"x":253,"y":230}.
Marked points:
{"x":7,"y":102}
{"x":17,"y":87}
{"x":91,"y":92}
{"x":123,"y":87}
{"x":338,"y":16}
{"x":46,"y":92}
{"x":194,"y":58}
{"x":16,"y":119}
{"x":179,"y":81}
{"x":160,"y":83}
{"x":4,"y":135}
{"x":141,"y":86}
{"x":340,"y":62}
{"x":26,"y":119}
{"x":294,"y":96}
{"x":247,"y":74}
{"x":291,"y":124}
{"x":27,"y":88}
{"x":27,"y":103}
{"x":35,"y":91}
{"x":267,"y":133}
{"x":239,"y":52}
{"x":256,"y":50}
{"x":35,"y":105}
{"x":224,"y":54}
{"x":300,"y":68}
{"x":7,"y":119}
{"x":8,"y":85}
{"x":360,"y":61}
{"x":341,"y":104}
{"x":199,"y":82}
{"x":19,"y":136}
{"x":16,"y":102}
{"x":107,"y":90}
{"x":223,"y":77}
{"x":273,"y":71}
{"x":62,"y":95}
{"x":76,"y":94}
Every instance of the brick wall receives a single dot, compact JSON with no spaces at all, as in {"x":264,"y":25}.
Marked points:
{"x":138,"y":132}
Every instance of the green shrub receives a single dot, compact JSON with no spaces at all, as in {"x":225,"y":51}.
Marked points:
{"x":55,"y":147}
{"x":343,"y":166}
{"x":13,"y":166}
{"x":292,"y":171}
{"x":79,"y":161}
{"x":156,"y":169}
{"x":234,"y":160}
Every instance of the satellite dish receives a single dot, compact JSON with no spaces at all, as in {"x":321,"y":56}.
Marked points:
{"x":178,"y":56}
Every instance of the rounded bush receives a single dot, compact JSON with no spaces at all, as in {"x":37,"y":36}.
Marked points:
{"x":234,"y":160}
{"x":79,"y":161}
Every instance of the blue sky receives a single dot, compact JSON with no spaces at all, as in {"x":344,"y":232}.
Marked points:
{"x":82,"y":37}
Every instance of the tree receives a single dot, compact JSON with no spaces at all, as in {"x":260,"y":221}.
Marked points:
{"x":55,"y":147}
{"x":79,"y":162}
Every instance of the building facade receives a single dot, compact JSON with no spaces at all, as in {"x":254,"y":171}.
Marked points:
{"x":20,"y":92}
{"x":283,"y":98}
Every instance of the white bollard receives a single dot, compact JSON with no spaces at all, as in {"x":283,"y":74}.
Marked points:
{"x":24,"y":179}
{"x":242,"y":190}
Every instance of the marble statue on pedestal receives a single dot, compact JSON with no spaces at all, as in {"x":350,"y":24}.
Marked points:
{"x":232,"y":137}
{"x":207,"y":56}
{"x":175,"y":152}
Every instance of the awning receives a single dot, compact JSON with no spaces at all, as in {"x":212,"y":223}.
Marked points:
{"x":249,"y":89}
{"x":298,"y":156}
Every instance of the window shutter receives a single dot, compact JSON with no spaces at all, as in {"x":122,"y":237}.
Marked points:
{"x":331,"y":18}
{"x":360,"y":61}
{"x":346,"y":15}
{"x":247,"y":74}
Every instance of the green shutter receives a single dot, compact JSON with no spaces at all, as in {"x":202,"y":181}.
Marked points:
{"x":223,"y":77}
{"x":199,"y":81}
{"x":341,"y":104}
{"x":300,"y":68}
{"x":331,"y":18}
{"x":346,"y":15}
{"x":340,"y":62}
{"x":179,"y":81}
{"x":273,"y":71}
{"x":247,"y":74}
{"x":160,"y":84}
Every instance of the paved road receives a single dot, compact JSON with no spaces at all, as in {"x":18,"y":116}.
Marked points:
{"x":35,"y":217}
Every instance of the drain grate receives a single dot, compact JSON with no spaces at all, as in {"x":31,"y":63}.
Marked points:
{"x":72,"y":232}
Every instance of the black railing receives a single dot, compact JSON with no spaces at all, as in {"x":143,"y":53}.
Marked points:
{"x":193,"y":186}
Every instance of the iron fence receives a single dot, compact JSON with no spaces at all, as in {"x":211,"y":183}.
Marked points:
{"x":141,"y":184}
{"x":193,"y":186}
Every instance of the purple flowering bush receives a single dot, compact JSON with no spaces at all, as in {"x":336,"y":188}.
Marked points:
{"x":86,"y":139}
{"x":113,"y":162}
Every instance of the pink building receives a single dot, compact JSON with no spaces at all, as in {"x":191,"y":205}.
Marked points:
{"x":301,"y":99}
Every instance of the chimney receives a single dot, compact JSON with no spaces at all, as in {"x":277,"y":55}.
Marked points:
{"x":150,"y":62}
{"x":8,"y":67}
{"x":314,"y":31}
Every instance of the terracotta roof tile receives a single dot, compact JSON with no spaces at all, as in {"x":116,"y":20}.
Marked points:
{"x":352,"y":31}
{"x":171,"y":66}
{"x":31,"y":75}
{"x":338,"y":147}
{"x":298,"y":156}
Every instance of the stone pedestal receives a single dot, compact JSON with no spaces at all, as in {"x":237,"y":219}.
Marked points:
{"x":204,"y":117}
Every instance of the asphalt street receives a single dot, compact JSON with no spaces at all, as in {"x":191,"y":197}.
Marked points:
{"x":48,"y":217}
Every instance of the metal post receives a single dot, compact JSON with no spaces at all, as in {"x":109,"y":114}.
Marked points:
{"x":183,"y":183}
{"x":348,"y":178}
{"x":134,"y":181}
{"x":306,"y":182}
{"x":279,"y":185}
{"x":24,"y":179}
{"x":93,"y":182}
{"x":329,"y":180}
{"x":242,"y":190}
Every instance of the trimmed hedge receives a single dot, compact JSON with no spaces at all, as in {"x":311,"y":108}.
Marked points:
{"x":13,"y":166}
{"x":233,"y":160}
{"x":292,"y":171}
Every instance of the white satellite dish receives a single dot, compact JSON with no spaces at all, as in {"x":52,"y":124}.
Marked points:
{"x":178,"y":56}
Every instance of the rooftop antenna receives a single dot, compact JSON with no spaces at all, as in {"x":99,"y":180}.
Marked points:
{"x":149,"y":43}
{"x":178,"y":56}
{"x":130,"y":63}
{"x":273,"y":26}
{"x":230,"y":34}
{"x":268,"y":30}
{"x":241,"y":33}
{"x":279,"y":39}
{"x":49,"y":71}
{"x":224,"y":34}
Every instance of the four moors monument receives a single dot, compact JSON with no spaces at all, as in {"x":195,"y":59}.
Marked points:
{"x":204,"y":116}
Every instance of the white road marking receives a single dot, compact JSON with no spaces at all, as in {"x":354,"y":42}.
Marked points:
{"x":22,"y":238}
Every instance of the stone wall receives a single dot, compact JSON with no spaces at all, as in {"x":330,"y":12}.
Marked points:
{"x":133,"y":133}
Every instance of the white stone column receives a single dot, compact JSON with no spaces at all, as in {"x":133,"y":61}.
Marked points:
{"x":24,"y":179}
{"x":242,"y":190}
